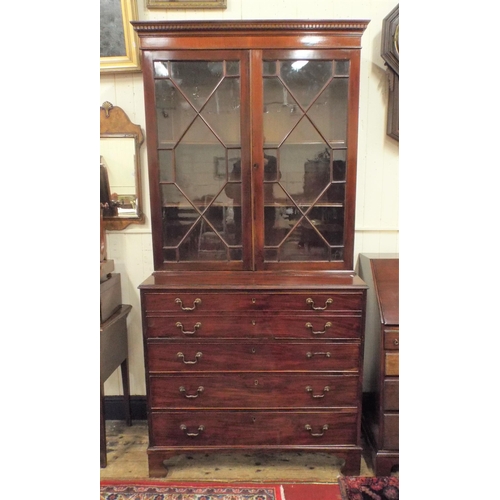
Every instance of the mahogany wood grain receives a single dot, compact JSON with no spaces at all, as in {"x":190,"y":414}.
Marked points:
{"x":203,"y":302}
{"x":263,"y":325}
{"x":197,"y":357}
{"x":254,"y":428}
{"x":253,"y":390}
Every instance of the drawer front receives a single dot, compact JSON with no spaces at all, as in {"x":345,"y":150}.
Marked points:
{"x":391,"y":339}
{"x":165,"y":356}
{"x":392,"y":364}
{"x":391,"y":431}
{"x":252,"y":428}
{"x":253,"y":390}
{"x":251,"y":301}
{"x":228,"y":326}
{"x":391,"y":394}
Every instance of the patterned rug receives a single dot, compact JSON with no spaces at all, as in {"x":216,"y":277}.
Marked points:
{"x":112,"y":490}
{"x":369,"y":488}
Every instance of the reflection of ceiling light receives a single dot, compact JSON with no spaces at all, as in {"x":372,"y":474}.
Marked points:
{"x":298,"y":65}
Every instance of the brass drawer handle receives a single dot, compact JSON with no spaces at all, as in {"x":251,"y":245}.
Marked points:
{"x":195,"y":303}
{"x":201,"y":428}
{"x":197,"y":356}
{"x":396,"y":342}
{"x":320,"y":434}
{"x":311,"y":354}
{"x":325,"y":390}
{"x":311,"y":303}
{"x":200,"y":389}
{"x":327,"y":325}
{"x":181,"y":327}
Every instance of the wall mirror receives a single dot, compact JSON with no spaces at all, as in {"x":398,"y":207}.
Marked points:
{"x":120,"y":169}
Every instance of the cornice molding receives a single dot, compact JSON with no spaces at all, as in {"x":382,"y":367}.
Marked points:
{"x":150,"y":27}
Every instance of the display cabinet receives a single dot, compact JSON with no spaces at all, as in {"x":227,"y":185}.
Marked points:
{"x":252,"y":146}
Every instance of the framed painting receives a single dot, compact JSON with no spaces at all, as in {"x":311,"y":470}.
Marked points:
{"x":186,"y":4}
{"x":119,"y":43}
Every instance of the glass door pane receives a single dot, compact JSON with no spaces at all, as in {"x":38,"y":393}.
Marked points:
{"x":198,"y":106}
{"x":305,"y":134}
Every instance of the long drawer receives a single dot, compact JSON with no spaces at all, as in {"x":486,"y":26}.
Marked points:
{"x":253,"y":428}
{"x":253,"y":390}
{"x":166,"y":356}
{"x":268,"y":325}
{"x":252,"y":301}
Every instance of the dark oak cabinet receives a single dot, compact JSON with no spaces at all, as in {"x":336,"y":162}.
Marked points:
{"x":253,"y":319}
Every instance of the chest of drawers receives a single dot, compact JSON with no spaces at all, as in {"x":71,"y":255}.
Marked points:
{"x":381,"y":418}
{"x":263,"y":362}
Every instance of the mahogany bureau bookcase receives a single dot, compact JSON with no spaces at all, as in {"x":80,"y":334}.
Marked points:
{"x":381,"y":418}
{"x":253,"y":318}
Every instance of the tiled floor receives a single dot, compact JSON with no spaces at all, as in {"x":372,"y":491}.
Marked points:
{"x":127,"y":459}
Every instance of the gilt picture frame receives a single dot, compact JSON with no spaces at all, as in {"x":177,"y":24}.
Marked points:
{"x":186,"y":4}
{"x":119,"y":42}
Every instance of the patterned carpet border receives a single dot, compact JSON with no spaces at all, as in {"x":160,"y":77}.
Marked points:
{"x":369,"y":488}
{"x":147,"y":490}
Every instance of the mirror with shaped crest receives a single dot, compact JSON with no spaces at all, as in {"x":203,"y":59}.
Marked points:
{"x":120,"y":169}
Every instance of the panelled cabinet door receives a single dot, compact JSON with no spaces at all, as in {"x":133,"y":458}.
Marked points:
{"x":198,"y":122}
{"x":305,"y":133}
{"x":254,"y":153}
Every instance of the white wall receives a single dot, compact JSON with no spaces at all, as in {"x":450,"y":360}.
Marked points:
{"x":377,"y":210}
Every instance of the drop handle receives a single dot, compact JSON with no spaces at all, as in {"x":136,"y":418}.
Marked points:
{"x":327,"y":325}
{"x":319,"y":434}
{"x":310,"y":302}
{"x":201,"y":428}
{"x":195,"y":303}
{"x":197,"y":356}
{"x":181,"y":328}
{"x":396,"y":342}
{"x":182,"y":390}
{"x":325,"y":390}
{"x":312,"y":354}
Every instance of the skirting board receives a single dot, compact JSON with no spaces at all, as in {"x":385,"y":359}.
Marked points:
{"x":114,"y":408}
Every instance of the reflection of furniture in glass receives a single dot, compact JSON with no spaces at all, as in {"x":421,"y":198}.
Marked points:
{"x":114,"y":348}
{"x":381,"y":417}
{"x":253,"y":340}
{"x":211,"y":236}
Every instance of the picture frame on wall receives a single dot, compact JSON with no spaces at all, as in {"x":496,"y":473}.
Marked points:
{"x":186,"y":4}
{"x":119,"y":43}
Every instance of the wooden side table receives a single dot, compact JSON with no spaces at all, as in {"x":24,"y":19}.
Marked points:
{"x":114,"y":354}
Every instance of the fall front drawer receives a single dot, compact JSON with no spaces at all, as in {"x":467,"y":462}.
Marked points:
{"x":253,"y":390}
{"x":253,"y":428}
{"x":252,"y":301}
{"x":166,"y":356}
{"x":270,"y":325}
